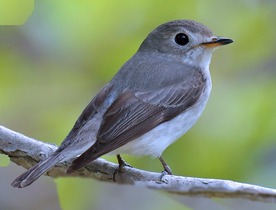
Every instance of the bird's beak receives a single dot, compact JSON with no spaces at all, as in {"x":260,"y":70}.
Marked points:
{"x":216,"y":41}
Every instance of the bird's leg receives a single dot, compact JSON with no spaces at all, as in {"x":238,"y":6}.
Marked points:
{"x":122,"y":164}
{"x":167,"y":170}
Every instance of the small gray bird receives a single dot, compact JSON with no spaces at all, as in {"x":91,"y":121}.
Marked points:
{"x":155,"y":98}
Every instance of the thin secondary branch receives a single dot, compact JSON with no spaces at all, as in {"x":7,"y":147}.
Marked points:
{"x":26,"y":152}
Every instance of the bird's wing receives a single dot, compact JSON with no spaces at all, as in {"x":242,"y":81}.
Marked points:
{"x":91,"y":109}
{"x":134,"y":113}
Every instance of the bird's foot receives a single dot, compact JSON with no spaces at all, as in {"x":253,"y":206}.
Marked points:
{"x":121,"y":166}
{"x":167,"y":171}
{"x":161,"y":179}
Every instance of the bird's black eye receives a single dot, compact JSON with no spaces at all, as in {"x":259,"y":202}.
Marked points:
{"x":181,"y":39}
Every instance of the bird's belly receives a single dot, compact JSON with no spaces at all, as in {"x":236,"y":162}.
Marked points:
{"x":158,"y":139}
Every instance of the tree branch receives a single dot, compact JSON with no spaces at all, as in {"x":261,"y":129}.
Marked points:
{"x":26,"y":152}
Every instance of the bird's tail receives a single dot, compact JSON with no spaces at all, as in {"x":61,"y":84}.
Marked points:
{"x":35,"y":172}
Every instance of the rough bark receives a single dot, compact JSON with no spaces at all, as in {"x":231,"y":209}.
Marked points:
{"x":25,"y":152}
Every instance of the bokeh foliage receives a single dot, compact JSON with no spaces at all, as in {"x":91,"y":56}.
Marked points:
{"x":52,"y":66}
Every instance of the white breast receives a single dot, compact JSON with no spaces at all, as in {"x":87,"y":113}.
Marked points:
{"x":158,"y":139}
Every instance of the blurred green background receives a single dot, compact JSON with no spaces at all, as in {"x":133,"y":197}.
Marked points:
{"x":53,"y":65}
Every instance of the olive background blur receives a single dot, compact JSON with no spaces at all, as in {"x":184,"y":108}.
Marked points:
{"x":52,"y":66}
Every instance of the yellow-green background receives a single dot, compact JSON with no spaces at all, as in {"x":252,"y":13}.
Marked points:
{"x":14,"y":12}
{"x":52,"y":66}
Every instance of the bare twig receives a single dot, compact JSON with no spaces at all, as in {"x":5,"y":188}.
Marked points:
{"x":26,"y":152}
